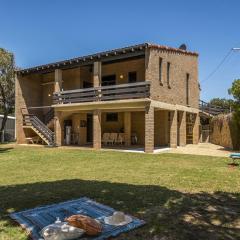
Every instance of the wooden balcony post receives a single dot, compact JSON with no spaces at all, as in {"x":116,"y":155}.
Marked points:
{"x":97,"y":71}
{"x":58,"y":80}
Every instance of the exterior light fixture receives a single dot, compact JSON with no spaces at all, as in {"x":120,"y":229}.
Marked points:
{"x":121,"y":76}
{"x":49,"y":95}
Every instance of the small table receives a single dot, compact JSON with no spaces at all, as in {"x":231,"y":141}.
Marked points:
{"x":235,"y":156}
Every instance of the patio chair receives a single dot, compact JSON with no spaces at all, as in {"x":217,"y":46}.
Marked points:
{"x":113,"y":138}
{"x":120,"y":138}
{"x":106,"y":138}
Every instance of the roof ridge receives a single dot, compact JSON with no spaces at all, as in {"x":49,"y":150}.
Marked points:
{"x":98,"y":55}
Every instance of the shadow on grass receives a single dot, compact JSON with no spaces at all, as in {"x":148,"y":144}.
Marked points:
{"x":169,"y":214}
{"x":5,"y":149}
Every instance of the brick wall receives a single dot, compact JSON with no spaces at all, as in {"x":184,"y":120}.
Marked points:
{"x":138,"y":126}
{"x":181,"y":64}
{"x":224,"y":132}
{"x":123,"y":68}
{"x":28,"y":94}
{"x":161,"y":128}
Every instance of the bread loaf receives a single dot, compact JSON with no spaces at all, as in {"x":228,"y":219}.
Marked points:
{"x":89,"y":225}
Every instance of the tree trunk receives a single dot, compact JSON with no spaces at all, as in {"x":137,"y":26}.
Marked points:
{"x":3,"y":125}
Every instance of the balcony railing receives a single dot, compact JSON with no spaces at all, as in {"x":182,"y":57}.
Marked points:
{"x":212,"y":109}
{"x":104,"y":93}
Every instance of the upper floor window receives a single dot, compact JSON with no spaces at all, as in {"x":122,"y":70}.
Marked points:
{"x":168,"y":74}
{"x":160,"y":71}
{"x":187,"y":88}
{"x":132,"y":77}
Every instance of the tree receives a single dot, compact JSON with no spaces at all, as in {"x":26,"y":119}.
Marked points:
{"x":235,"y":92}
{"x":222,"y":102}
{"x":7,"y":89}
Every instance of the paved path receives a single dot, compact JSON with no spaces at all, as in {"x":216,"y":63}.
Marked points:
{"x":202,"y":149}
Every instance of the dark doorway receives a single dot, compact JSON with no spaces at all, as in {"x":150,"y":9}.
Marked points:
{"x":132,"y":77}
{"x":87,"y":84}
{"x":89,"y":128}
{"x":109,"y":80}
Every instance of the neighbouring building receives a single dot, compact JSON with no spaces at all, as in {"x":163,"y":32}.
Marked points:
{"x":144,"y":95}
{"x":9,"y":129}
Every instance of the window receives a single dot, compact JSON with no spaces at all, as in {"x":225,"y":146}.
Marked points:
{"x":160,"y":71}
{"x":187,"y":88}
{"x":132,"y":77}
{"x":111,"y":117}
{"x":108,"y":80}
{"x":168,"y":74}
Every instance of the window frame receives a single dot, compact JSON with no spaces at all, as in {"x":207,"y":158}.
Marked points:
{"x":168,"y":74}
{"x":187,"y":88}
{"x":160,"y":65}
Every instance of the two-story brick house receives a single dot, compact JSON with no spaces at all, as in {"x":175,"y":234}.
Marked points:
{"x":148,"y":93}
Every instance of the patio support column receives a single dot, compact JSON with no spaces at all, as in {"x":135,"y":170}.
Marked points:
{"x":97,"y":71}
{"x":149,"y":129}
{"x":58,"y":128}
{"x":182,"y":129}
{"x":173,"y":129}
{"x":127,"y":128}
{"x":58,"y":80}
{"x":97,"y":129}
{"x":196,"y":129}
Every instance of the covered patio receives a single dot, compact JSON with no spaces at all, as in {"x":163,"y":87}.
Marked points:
{"x":126,"y":125}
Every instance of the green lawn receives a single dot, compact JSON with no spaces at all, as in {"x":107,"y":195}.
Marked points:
{"x":180,"y":196}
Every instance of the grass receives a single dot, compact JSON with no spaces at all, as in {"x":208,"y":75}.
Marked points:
{"x":180,"y":196}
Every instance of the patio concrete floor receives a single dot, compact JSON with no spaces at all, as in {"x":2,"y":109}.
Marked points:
{"x":207,"y":149}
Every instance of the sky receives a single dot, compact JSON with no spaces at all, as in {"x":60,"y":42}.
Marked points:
{"x":43,"y":31}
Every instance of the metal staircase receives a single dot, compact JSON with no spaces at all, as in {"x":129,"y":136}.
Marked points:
{"x":49,"y":117}
{"x":39,"y":128}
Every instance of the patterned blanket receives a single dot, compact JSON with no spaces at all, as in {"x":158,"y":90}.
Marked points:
{"x":34,"y":220}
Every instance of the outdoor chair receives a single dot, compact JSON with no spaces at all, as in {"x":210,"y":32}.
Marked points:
{"x":106,"y":138}
{"x":113,"y":138}
{"x":120,"y":138}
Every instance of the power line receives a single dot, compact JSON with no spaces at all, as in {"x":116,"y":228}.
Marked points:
{"x":218,"y":66}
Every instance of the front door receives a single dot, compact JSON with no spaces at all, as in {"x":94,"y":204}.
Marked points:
{"x":89,"y":128}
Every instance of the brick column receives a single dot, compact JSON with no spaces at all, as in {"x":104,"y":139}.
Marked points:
{"x":149,"y":130}
{"x":182,"y":129}
{"x":173,"y":129}
{"x":196,"y":129}
{"x":127,"y":128}
{"x":19,"y":104}
{"x":58,"y":128}
{"x":58,"y":80}
{"x":97,"y":129}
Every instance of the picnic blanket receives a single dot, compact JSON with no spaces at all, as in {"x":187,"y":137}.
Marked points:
{"x":34,"y":220}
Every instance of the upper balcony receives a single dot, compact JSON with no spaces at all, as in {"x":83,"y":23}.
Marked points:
{"x":103,"y":93}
